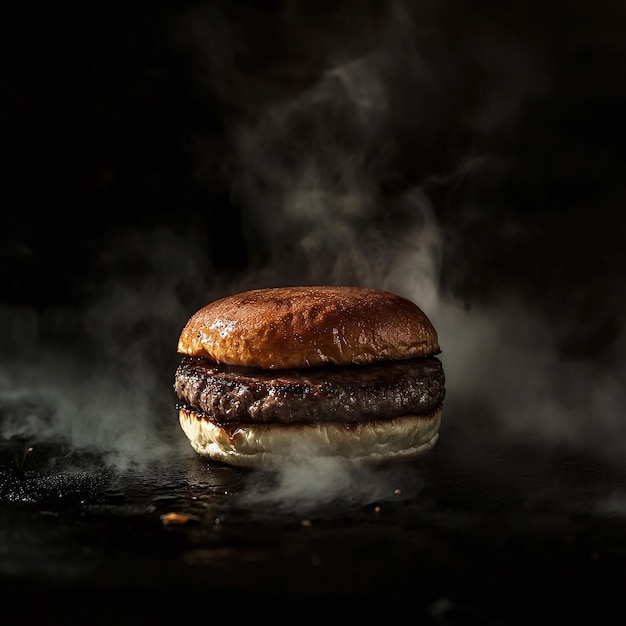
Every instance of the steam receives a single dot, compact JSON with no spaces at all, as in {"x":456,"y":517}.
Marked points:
{"x":100,"y":378}
{"x":501,"y":360}
{"x":309,"y":179}
{"x":319,"y":484}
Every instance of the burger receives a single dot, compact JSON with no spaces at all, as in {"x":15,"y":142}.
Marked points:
{"x":282,"y":374}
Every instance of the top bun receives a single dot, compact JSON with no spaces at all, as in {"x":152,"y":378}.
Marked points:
{"x":296,"y":327}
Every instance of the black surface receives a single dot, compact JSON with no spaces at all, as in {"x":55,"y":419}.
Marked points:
{"x":495,"y":535}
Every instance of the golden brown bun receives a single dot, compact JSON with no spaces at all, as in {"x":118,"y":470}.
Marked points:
{"x":271,"y":446}
{"x":294,"y":327}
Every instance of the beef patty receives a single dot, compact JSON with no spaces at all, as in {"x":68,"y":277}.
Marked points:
{"x":230,"y":394}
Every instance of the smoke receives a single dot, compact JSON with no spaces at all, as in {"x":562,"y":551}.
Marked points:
{"x":99,"y":378}
{"x":329,"y":484}
{"x":503,"y":363}
{"x":310,"y":177}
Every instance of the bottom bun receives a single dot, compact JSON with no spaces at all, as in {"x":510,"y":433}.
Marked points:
{"x":274,"y":445}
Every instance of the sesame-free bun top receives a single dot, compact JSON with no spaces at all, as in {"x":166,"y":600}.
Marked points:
{"x":296,"y":327}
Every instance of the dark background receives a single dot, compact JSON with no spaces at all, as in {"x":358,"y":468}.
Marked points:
{"x":124,"y":117}
{"x":469,"y":155}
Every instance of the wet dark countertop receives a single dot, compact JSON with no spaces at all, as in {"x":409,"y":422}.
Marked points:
{"x":495,"y":535}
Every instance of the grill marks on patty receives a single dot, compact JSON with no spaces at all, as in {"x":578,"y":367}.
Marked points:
{"x":228,"y":394}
